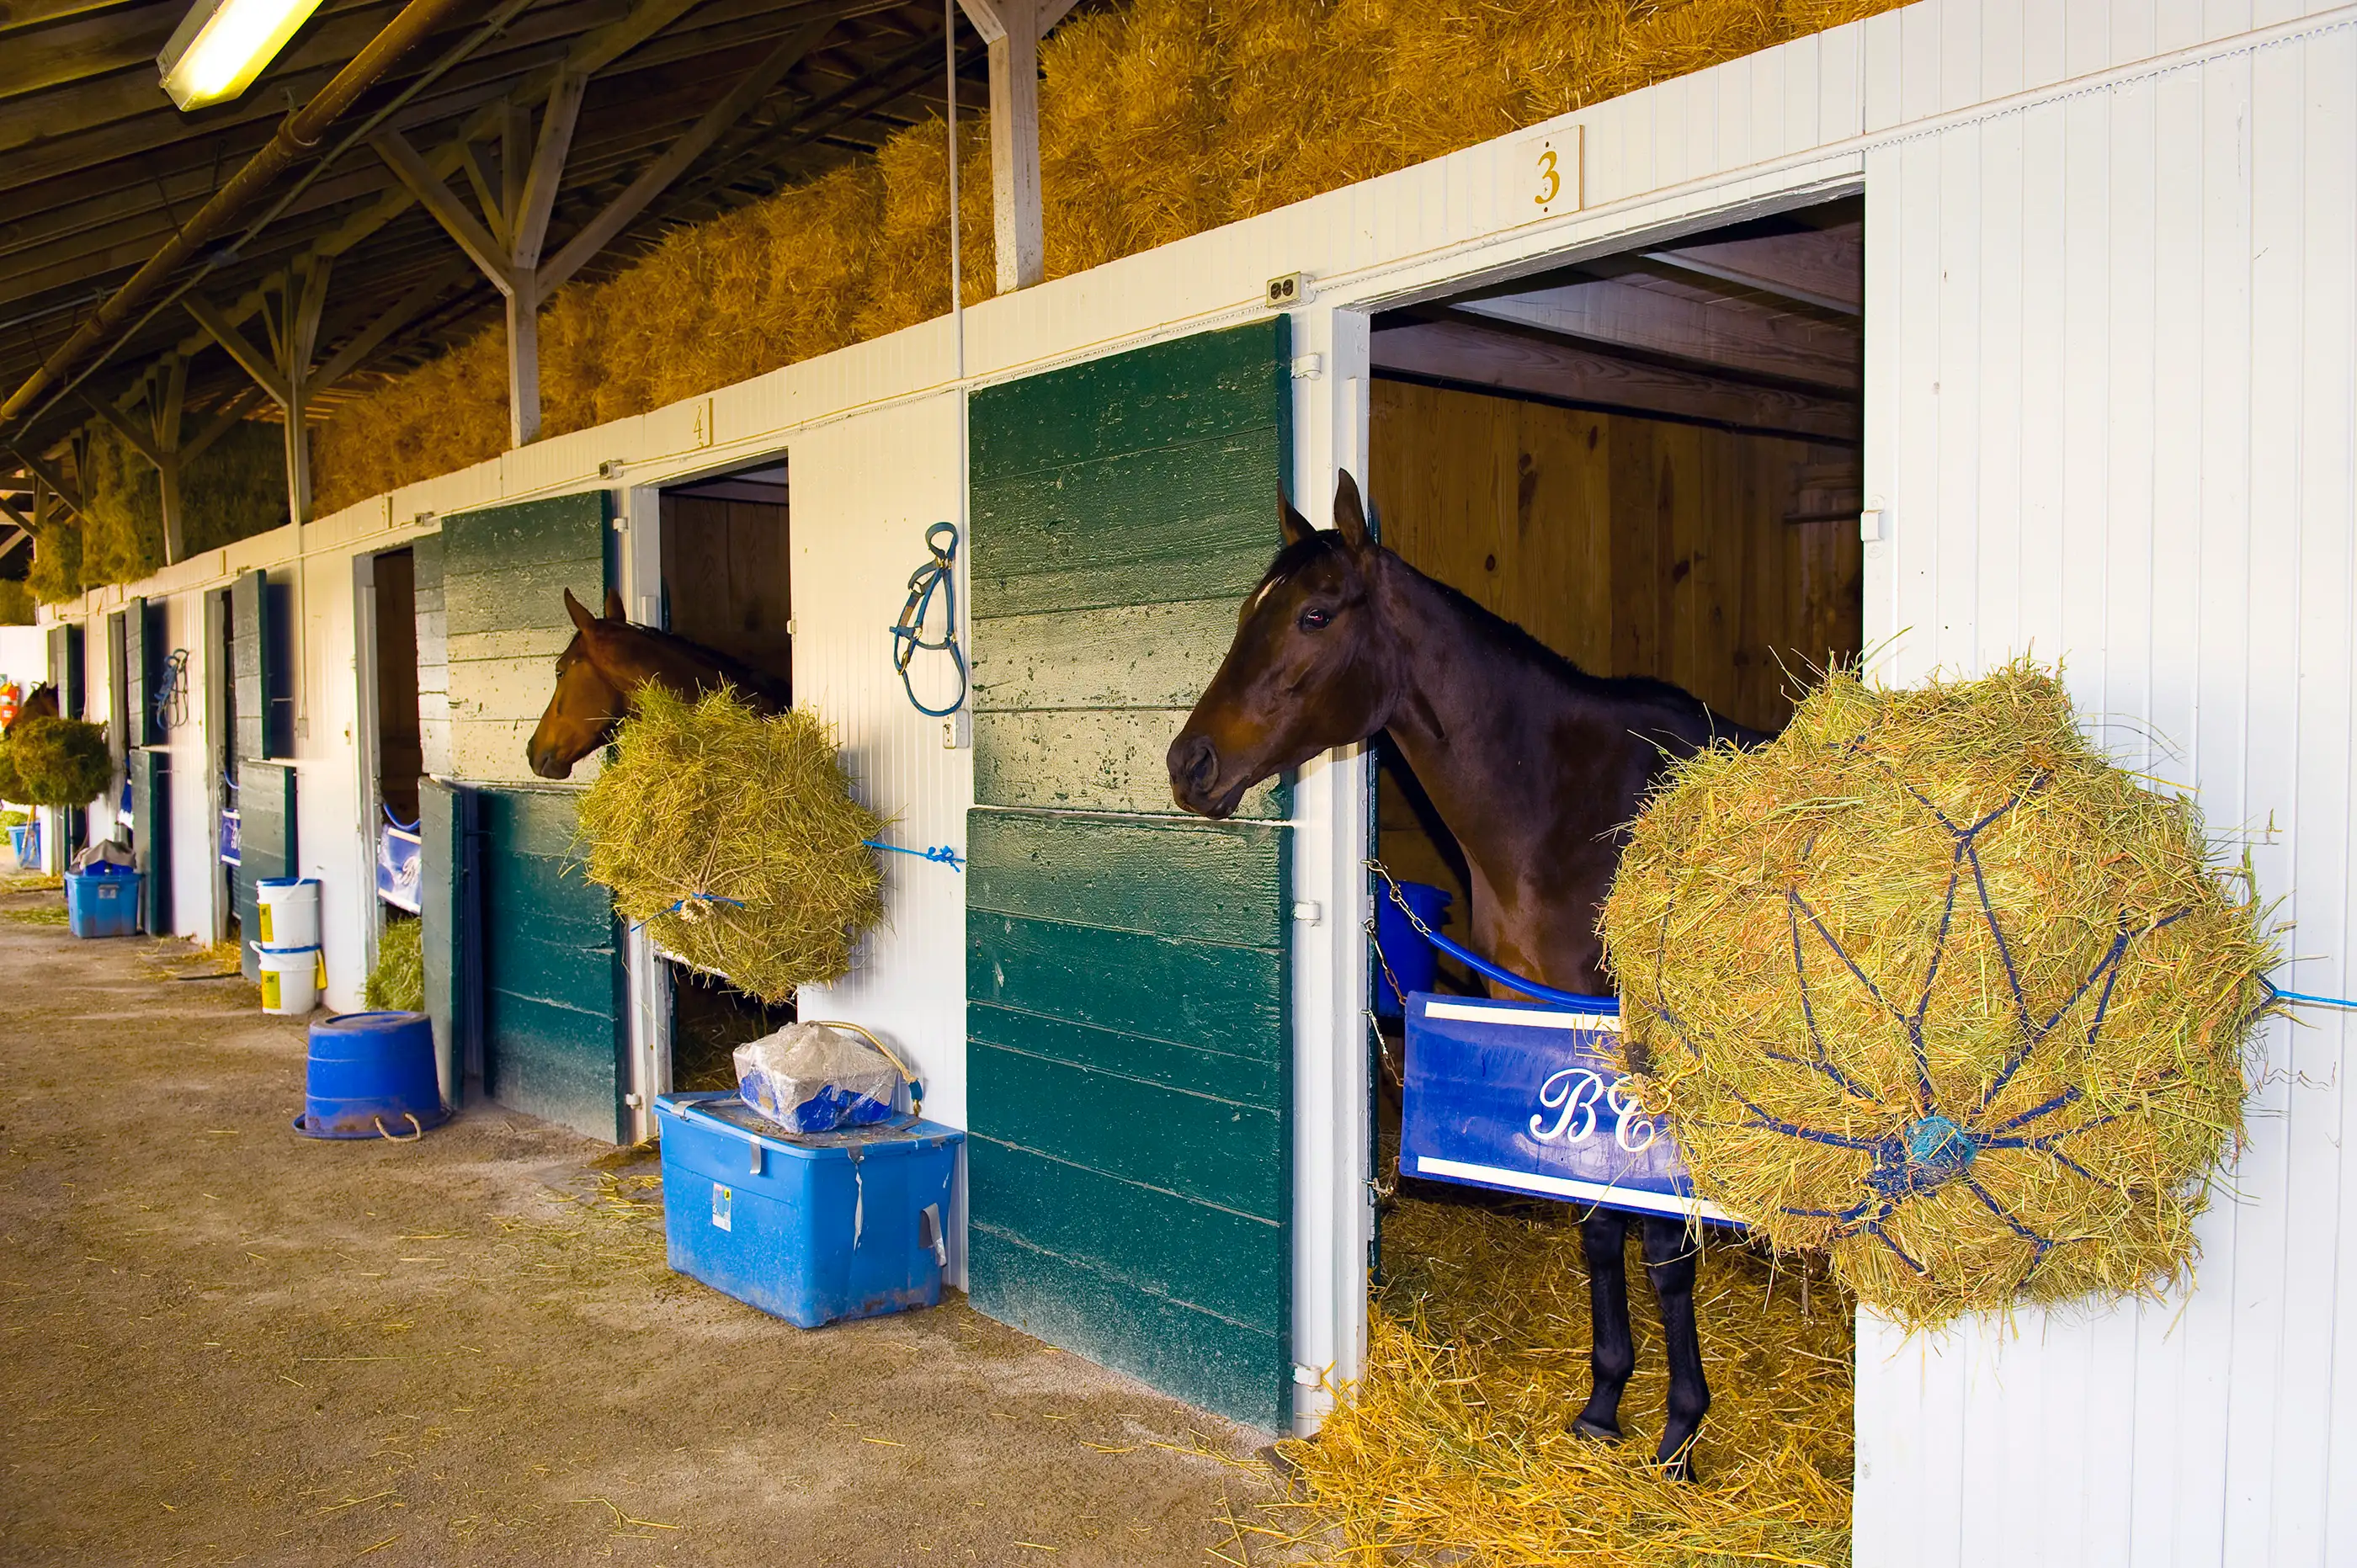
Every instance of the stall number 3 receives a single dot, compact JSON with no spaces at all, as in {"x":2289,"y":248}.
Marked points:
{"x":1552,"y":162}
{"x":1573,"y":1095}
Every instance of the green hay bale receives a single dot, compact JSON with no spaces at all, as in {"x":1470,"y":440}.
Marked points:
{"x":59,"y":762}
{"x":398,"y":980}
{"x":1964,"y":1102}
{"x":710,"y":802}
{"x":16,"y":605}
{"x":12,"y":788}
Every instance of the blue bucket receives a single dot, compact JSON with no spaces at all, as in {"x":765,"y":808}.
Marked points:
{"x":372,"y":1076}
{"x":1411,"y":959}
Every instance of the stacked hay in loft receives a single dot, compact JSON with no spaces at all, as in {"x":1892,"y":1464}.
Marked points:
{"x":1158,"y":119}
{"x":1928,"y":983}
{"x":734,"y":837}
{"x":1456,"y":1446}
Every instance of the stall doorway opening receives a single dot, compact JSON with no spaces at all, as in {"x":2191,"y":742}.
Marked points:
{"x":1649,"y":461}
{"x":728,"y":583}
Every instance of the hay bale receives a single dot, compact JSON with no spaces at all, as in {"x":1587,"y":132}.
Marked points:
{"x":12,"y":788}
{"x":735,"y":838}
{"x":59,"y":761}
{"x":398,"y":980}
{"x":1929,"y":984}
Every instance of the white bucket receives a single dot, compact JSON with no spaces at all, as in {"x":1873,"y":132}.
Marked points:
{"x":292,"y":979}
{"x":288,"y":910}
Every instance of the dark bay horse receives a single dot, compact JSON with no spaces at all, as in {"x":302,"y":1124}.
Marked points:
{"x":41,"y":704}
{"x":1534,"y":766}
{"x":601,"y":670}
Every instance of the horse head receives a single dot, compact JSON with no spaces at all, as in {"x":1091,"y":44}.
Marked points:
{"x":1313,"y":664}
{"x":41,"y":704}
{"x":593,"y":692}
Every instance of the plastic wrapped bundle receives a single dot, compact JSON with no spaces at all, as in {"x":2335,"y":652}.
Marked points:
{"x":812,"y":1078}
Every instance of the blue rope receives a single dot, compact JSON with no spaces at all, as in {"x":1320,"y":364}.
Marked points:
{"x":2278,"y":993}
{"x":938,"y":575}
{"x":939,"y":853}
{"x":396,"y":822}
{"x":701,"y":897}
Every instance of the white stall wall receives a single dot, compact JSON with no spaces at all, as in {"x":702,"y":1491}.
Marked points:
{"x":2110,"y":411}
{"x":863,"y":492}
{"x":193,"y":824}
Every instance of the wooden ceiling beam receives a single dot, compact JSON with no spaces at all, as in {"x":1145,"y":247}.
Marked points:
{"x":94,"y":46}
{"x":17,"y":15}
{"x":47,"y":473}
{"x":750,"y":89}
{"x":1478,"y":355}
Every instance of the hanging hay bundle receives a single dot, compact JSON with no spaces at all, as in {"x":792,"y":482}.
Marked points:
{"x":1456,"y":1445}
{"x":59,"y":761}
{"x":734,"y":836}
{"x":1929,"y":982}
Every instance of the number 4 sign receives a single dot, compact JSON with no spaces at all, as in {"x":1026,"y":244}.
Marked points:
{"x":1551,"y":169}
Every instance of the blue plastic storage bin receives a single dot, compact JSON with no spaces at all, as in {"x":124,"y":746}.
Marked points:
{"x":102,"y":902}
{"x":814,"y":1227}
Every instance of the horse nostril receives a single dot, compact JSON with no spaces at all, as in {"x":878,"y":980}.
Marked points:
{"x":1201,"y":762}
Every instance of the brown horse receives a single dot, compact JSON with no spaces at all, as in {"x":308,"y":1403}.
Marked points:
{"x":601,"y":670}
{"x":41,"y":704}
{"x":1534,"y":766}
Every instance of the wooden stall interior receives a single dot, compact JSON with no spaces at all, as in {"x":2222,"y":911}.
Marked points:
{"x":400,"y":745}
{"x":726,"y":584}
{"x":1648,"y":460}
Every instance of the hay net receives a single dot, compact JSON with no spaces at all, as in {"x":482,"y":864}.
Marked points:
{"x":1928,"y":983}
{"x":734,"y":837}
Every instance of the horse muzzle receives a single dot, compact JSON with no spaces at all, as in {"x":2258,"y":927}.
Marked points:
{"x":1195,"y":769}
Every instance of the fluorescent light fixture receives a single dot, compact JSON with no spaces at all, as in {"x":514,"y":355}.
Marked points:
{"x":220,"y":46}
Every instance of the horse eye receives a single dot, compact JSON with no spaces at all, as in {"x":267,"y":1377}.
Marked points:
{"x":1312,"y":620}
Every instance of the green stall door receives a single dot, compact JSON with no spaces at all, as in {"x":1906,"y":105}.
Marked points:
{"x":523,"y":957}
{"x":1130,"y":1043}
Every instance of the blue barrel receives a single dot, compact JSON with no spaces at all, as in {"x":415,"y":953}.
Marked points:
{"x":1412,"y":961}
{"x":372,"y":1076}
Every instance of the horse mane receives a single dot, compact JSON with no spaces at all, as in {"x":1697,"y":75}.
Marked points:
{"x":736,"y":672}
{"x":1516,"y":642}
{"x":1639,"y":691}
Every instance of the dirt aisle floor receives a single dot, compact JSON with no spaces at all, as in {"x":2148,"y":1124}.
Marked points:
{"x":221,"y":1342}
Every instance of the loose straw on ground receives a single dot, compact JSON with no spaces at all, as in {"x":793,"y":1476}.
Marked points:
{"x":1457,"y":1444}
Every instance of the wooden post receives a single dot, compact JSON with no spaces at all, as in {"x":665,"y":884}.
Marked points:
{"x":1014,"y":29}
{"x":164,"y":418}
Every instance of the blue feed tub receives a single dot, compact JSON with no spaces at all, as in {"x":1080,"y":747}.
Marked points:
{"x":372,"y":1076}
{"x":1411,"y":959}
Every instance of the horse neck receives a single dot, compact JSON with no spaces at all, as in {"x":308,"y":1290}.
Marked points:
{"x":677,"y":665}
{"x":1489,"y":724}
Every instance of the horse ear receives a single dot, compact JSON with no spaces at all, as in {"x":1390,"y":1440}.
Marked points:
{"x":582,"y":618}
{"x":614,"y":605}
{"x":1291,"y":526}
{"x":1349,"y":515}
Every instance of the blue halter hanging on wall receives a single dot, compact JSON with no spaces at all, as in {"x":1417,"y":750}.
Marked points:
{"x":937,"y":575}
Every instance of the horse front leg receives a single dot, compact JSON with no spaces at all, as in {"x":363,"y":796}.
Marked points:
{"x":1670,"y":1253}
{"x":1613,"y":1354}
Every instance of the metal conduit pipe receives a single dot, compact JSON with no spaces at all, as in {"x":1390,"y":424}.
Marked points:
{"x":299,"y":133}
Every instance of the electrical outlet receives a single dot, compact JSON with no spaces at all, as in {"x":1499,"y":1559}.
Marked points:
{"x":957,"y":731}
{"x":1291,"y":289}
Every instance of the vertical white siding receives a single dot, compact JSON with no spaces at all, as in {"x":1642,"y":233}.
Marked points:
{"x":2111,"y":411}
{"x":194,"y":827}
{"x":862,"y":493}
